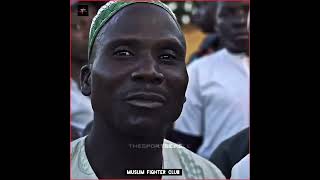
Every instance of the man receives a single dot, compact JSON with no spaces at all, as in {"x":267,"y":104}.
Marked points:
{"x":242,"y":169}
{"x":217,"y":105}
{"x":210,"y":44}
{"x":81,"y":111}
{"x":232,"y":155}
{"x":204,"y":18}
{"x":136,"y":77}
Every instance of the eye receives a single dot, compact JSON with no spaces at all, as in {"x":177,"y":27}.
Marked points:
{"x":167,"y":58}
{"x":122,"y":53}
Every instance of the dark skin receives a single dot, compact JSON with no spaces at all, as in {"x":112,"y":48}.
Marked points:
{"x":137,"y":80}
{"x":80,"y":26}
{"x":231,"y":24}
{"x":204,"y":17}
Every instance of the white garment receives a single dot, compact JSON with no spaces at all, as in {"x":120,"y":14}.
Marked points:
{"x":174,"y":157}
{"x":241,"y":170}
{"x":81,"y":110}
{"x":217,"y":105}
{"x":246,"y":64}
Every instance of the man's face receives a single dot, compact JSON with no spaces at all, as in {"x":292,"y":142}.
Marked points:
{"x":231,"y":19}
{"x":139,"y":77}
{"x":204,"y":17}
{"x":80,"y":27}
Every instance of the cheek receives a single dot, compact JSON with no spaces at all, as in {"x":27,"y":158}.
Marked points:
{"x":224,"y":27}
{"x":225,"y":30}
{"x":177,"y":83}
{"x":103,"y":85}
{"x":108,"y":82}
{"x":100,"y":91}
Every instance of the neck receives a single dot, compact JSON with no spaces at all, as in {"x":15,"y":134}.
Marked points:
{"x":236,"y":53}
{"x":110,"y":153}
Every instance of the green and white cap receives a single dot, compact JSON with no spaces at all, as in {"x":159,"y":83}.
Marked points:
{"x":105,"y":13}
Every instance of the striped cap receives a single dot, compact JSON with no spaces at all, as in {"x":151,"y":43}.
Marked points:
{"x":105,"y":13}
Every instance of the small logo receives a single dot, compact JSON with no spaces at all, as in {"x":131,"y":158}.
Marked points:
{"x":83,"y":10}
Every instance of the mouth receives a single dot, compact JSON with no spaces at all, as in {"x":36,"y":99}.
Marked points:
{"x":148,"y":100}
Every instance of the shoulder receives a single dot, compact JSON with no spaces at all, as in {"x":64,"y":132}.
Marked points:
{"x":76,"y":146}
{"x":192,"y":165}
{"x":241,"y":169}
{"x":234,"y":148}
{"x":209,"y":59}
{"x":80,"y":167}
{"x":204,"y":66}
{"x":231,"y":151}
{"x":240,"y":138}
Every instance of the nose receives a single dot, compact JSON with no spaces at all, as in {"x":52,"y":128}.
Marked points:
{"x":148,"y":73}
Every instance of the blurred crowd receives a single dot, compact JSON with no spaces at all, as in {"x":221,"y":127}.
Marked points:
{"x":214,"y":122}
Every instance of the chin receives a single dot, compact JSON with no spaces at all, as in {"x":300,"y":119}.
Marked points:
{"x":237,"y":49}
{"x":240,"y":46}
{"x":144,"y":132}
{"x":144,"y":127}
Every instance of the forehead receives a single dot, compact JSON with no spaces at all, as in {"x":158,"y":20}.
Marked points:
{"x":142,"y":21}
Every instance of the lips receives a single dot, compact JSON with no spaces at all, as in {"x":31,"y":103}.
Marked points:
{"x":148,"y":100}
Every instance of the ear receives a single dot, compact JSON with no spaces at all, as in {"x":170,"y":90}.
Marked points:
{"x":85,"y":80}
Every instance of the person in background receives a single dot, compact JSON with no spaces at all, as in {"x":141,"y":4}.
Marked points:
{"x":204,"y":18}
{"x":217,"y":105}
{"x":209,"y":45}
{"x":230,"y":152}
{"x":81,"y":110}
{"x":242,"y":169}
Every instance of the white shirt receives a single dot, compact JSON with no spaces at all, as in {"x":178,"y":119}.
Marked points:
{"x":174,"y":157}
{"x":217,"y":105}
{"x":246,"y":64}
{"x":241,"y":170}
{"x":81,"y":110}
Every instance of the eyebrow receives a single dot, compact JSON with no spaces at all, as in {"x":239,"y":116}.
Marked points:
{"x":136,"y":41}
